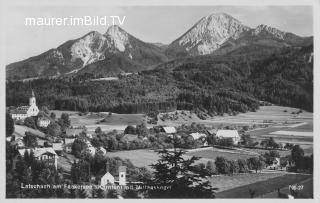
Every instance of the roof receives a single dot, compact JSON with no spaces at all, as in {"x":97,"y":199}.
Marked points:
{"x":38,"y":151}
{"x":212,"y":131}
{"x":227,"y":133}
{"x":73,"y":131}
{"x":57,"y":146}
{"x":20,"y":110}
{"x":69,"y":140}
{"x":169,"y":129}
{"x":43,"y":119}
{"x":197,"y":135}
{"x":130,"y":137}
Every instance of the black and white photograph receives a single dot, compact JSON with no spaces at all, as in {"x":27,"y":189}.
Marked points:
{"x":162,"y":100}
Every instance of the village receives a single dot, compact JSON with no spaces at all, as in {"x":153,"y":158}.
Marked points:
{"x":62,"y":140}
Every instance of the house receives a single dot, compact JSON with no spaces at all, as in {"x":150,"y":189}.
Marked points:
{"x":68,"y":148}
{"x":43,"y":122}
{"x":73,"y":132}
{"x":47,"y":155}
{"x":109,"y":179}
{"x":233,"y":134}
{"x":197,"y":135}
{"x":275,"y":163}
{"x":18,"y":143}
{"x":212,"y":132}
{"x":169,"y":130}
{"x":102,"y":150}
{"x":57,"y":147}
{"x":24,"y":112}
{"x":68,"y":140}
{"x":91,"y":150}
{"x":88,"y":135}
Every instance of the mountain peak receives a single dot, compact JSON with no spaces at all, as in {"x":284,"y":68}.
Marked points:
{"x":209,"y":33}
{"x":265,"y":29}
{"x":118,"y":37}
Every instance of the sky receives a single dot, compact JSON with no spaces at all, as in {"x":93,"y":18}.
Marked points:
{"x":161,"y":24}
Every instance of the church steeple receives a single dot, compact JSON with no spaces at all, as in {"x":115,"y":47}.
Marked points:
{"x":32,"y":99}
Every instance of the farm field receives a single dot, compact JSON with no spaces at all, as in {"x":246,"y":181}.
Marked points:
{"x":214,"y":153}
{"x":140,"y":158}
{"x":263,"y":187}
{"x":225,"y":182}
{"x":110,"y":122}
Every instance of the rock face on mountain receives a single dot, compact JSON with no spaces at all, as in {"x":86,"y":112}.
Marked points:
{"x":117,"y":51}
{"x":220,"y":33}
{"x":207,"y":35}
{"x":112,"y":48}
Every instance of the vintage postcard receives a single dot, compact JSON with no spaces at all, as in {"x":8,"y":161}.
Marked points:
{"x":159,"y":99}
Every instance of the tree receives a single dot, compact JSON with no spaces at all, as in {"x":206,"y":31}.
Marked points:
{"x":269,"y":143}
{"x":78,"y":146}
{"x":142,"y":130}
{"x":179,"y":173}
{"x":255,"y":163}
{"x":211,"y":168}
{"x":270,"y":156}
{"x":53,"y":116}
{"x":233,"y":167}
{"x":130,"y":130}
{"x":30,"y":140}
{"x":30,"y":122}
{"x":64,"y":121}
{"x":247,"y":140}
{"x":243,"y":166}
{"x":98,"y":131}
{"x":9,"y":125}
{"x":222,"y":165}
{"x":288,"y":146}
{"x":297,"y":155}
{"x":54,"y":129}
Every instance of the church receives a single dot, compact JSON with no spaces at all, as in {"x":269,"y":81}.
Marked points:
{"x":23,"y":112}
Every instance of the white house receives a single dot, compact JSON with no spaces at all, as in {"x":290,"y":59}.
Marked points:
{"x":197,"y":135}
{"x":43,"y":122}
{"x":102,"y":150}
{"x":109,"y":179}
{"x":68,"y":140}
{"x":47,"y":155}
{"x":233,"y":134}
{"x":23,"y":112}
{"x":169,"y":130}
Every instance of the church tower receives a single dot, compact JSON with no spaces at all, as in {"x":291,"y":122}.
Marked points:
{"x":122,"y":175}
{"x":32,"y":100}
{"x":33,"y":109}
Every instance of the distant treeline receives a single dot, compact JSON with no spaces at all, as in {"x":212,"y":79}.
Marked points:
{"x":214,"y":85}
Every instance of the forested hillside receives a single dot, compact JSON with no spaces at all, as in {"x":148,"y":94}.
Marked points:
{"x":211,"y":84}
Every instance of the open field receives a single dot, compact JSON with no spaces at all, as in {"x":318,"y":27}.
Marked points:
{"x":103,"y":120}
{"x":263,"y":187}
{"x":214,"y":153}
{"x":19,"y":131}
{"x":225,"y":182}
{"x":140,"y":158}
